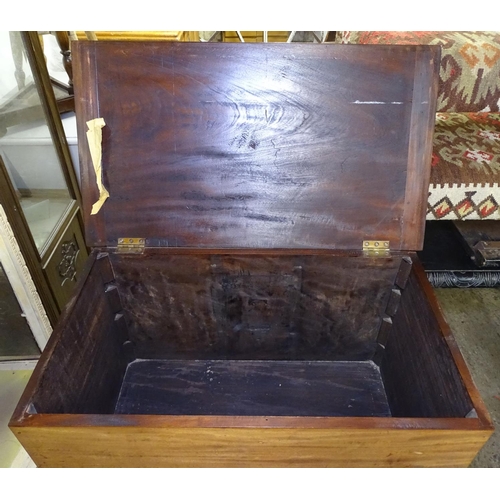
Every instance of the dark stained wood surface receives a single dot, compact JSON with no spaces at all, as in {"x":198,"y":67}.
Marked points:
{"x":302,"y":388}
{"x":84,"y":365}
{"x":97,"y":421}
{"x":447,"y":334}
{"x":418,"y":369}
{"x":423,"y":117}
{"x":264,"y":146}
{"x":314,"y":307}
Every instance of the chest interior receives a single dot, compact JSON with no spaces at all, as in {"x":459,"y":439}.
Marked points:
{"x":252,"y":334}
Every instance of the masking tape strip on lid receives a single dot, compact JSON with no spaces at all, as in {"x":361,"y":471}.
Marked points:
{"x":94,"y":138}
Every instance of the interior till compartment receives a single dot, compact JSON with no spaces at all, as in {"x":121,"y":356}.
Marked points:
{"x":285,"y":335}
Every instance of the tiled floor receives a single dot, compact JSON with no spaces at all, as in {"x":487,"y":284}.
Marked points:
{"x":474,"y":317}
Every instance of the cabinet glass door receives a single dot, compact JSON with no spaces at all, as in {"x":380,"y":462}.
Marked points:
{"x":39,"y":190}
{"x":26,"y":145}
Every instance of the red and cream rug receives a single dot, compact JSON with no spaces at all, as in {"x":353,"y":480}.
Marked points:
{"x":467,"y":150}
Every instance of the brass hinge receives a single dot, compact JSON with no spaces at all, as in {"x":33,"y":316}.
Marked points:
{"x":376,"y":248}
{"x":131,"y":245}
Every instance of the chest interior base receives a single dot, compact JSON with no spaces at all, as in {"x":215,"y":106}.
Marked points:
{"x":281,"y":388}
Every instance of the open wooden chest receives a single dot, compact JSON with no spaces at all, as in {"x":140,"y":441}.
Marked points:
{"x":254,"y":297}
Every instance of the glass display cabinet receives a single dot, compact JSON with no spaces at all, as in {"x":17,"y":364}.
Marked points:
{"x":38,"y":186}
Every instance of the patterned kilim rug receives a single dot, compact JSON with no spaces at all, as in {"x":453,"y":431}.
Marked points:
{"x":467,"y":150}
{"x":470,"y":64}
{"x":465,"y":174}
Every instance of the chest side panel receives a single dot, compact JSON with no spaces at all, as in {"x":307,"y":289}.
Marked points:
{"x":264,"y":146}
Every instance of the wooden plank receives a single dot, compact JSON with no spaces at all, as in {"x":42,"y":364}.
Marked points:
{"x":385,"y":330}
{"x":324,"y":388}
{"x":30,"y":391}
{"x":447,"y":334}
{"x":418,"y":369}
{"x":107,"y":273}
{"x":82,"y":368}
{"x":87,"y":366}
{"x":249,"y":447}
{"x":393,"y":304}
{"x":314,"y":307}
{"x":113,"y":297}
{"x":404,"y":272}
{"x":243,"y":422}
{"x":170,"y":36}
{"x":256,"y":145}
{"x":255,"y":36}
{"x":86,"y":106}
{"x":423,"y":117}
{"x":473,"y":231}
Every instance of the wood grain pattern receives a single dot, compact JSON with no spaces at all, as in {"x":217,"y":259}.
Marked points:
{"x":141,"y":446}
{"x":249,"y":145}
{"x":244,"y":168}
{"x":419,"y":373}
{"x":315,"y":307}
{"x":70,"y":233}
{"x":423,"y":117}
{"x":212,"y":387}
{"x":244,"y":422}
{"x":164,"y":36}
{"x":86,"y":362}
{"x":86,"y":107}
{"x":446,"y":333}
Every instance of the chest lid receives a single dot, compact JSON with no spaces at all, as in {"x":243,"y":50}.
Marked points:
{"x":220,"y":145}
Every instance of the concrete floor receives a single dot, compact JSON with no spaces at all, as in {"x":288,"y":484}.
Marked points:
{"x":12,"y":384}
{"x":474,"y":317}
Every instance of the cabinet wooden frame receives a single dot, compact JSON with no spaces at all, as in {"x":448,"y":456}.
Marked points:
{"x":15,"y":217}
{"x":37,"y":260}
{"x":36,"y":58}
{"x":23,"y":284}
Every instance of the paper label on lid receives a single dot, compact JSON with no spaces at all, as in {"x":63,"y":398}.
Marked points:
{"x":94,"y":138}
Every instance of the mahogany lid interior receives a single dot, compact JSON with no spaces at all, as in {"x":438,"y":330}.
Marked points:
{"x":220,"y":145}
